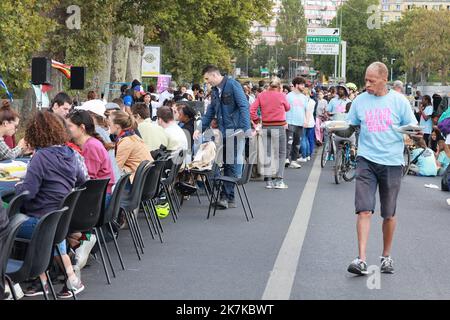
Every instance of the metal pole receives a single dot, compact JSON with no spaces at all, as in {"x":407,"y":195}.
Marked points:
{"x":344,"y":60}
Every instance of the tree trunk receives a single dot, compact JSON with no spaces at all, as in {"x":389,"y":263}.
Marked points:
{"x":104,"y":75}
{"x":119,"y":59}
{"x":135,"y":52}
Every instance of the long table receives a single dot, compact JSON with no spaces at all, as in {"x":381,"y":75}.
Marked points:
{"x":7,"y":189}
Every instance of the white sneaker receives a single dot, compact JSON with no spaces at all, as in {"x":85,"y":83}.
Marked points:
{"x":308,"y":158}
{"x":295,"y":165}
{"x":302,"y":160}
{"x":448,"y":202}
{"x":287,"y":163}
{"x":280,"y":185}
{"x":83,"y":251}
{"x":17,"y":290}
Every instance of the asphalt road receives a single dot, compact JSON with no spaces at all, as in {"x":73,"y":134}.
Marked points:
{"x":228,"y":258}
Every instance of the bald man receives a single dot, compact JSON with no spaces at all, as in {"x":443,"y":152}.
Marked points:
{"x":380,"y":160}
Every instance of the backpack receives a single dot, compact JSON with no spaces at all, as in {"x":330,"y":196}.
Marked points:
{"x":444,"y":126}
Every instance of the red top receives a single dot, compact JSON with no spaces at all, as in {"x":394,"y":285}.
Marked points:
{"x":97,"y":161}
{"x":273,"y":106}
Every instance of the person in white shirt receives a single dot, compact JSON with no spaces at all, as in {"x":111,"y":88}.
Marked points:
{"x":425,"y":111}
{"x":167,"y":94}
{"x":308,"y":140}
{"x":176,"y":135}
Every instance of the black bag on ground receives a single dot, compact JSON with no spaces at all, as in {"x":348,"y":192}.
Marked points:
{"x":444,"y":180}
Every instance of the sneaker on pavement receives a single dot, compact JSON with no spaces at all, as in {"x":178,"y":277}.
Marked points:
{"x":280,"y":185}
{"x":294,"y":165}
{"x":269,"y":184}
{"x":387,"y":265}
{"x":83,"y":251}
{"x":302,"y":160}
{"x":35,"y":289}
{"x":308,"y":158}
{"x":222,"y":204}
{"x":232,"y":204}
{"x":76,"y":286}
{"x":287,"y":163}
{"x":358,"y":267}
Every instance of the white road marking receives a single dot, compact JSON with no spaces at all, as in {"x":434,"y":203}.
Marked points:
{"x":282,"y":277}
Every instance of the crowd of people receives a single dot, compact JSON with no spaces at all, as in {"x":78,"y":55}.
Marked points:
{"x":97,"y":140}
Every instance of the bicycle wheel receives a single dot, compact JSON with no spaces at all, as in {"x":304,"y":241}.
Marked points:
{"x":325,"y":152}
{"x":339,"y":159}
{"x":349,"y":169}
{"x":407,"y":159}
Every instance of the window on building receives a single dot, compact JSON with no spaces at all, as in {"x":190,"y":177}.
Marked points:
{"x":398,"y":7}
{"x":385,"y":19}
{"x":397,"y":18}
{"x":385,"y":8}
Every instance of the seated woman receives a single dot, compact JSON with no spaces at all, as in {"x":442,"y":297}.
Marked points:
{"x":131,"y":150}
{"x":93,"y":147}
{"x":9,"y":120}
{"x":82,"y":130}
{"x":51,"y":174}
{"x":423,"y":161}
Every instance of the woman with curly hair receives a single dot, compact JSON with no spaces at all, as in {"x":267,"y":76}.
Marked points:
{"x":51,"y":174}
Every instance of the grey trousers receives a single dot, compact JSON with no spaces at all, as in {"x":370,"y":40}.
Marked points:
{"x":294,"y":137}
{"x":274,"y":140}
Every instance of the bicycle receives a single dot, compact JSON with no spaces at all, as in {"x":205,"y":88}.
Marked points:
{"x":345,"y":167}
{"x":327,"y":149}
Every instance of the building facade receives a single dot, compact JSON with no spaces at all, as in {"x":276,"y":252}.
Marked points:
{"x":392,"y":9}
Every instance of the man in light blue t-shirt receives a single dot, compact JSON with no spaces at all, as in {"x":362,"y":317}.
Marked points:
{"x":295,"y":119}
{"x":380,"y":159}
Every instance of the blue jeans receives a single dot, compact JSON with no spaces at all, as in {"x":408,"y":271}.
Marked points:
{"x":308,"y":142}
{"x":26,"y":231}
{"x":232,"y":167}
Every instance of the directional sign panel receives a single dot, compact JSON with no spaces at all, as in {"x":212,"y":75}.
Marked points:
{"x":323,"y":41}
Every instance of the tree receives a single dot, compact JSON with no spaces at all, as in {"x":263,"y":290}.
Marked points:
{"x":364,"y":45}
{"x":423,"y":43}
{"x":22,"y":33}
{"x":291,"y":22}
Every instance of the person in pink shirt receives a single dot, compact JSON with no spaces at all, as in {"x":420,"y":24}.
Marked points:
{"x":93,"y":150}
{"x":273,"y":107}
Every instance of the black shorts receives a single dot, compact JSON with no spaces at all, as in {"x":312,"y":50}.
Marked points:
{"x":369,"y":176}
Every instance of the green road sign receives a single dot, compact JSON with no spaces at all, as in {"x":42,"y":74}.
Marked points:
{"x":323,"y":39}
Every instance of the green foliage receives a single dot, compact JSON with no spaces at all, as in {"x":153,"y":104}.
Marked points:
{"x":194,"y":33}
{"x":291,"y":23}
{"x":22,"y":33}
{"x":364,"y":45}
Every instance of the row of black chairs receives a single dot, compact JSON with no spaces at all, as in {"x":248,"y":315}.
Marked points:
{"x":83,"y":210}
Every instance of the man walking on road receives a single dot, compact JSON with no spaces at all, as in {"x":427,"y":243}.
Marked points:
{"x":295,"y":118}
{"x":380,"y":160}
{"x":230,"y":107}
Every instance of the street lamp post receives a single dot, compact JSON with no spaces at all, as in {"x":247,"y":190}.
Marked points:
{"x":392,"y":63}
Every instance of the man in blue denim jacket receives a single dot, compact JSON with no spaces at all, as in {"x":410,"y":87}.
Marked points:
{"x":230,"y":107}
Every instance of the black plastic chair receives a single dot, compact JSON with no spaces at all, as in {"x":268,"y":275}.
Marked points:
{"x":149,"y":193}
{"x":16,"y":203}
{"x":168,"y":183}
{"x":6,"y":243}
{"x":69,"y":201}
{"x":132,"y":201}
{"x":238,"y":182}
{"x":87,"y":212}
{"x":39,"y":251}
{"x":111,"y":213}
